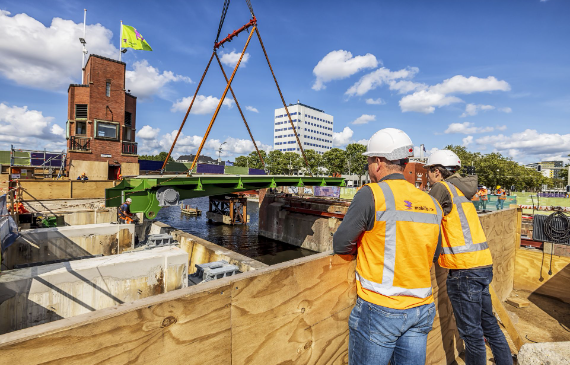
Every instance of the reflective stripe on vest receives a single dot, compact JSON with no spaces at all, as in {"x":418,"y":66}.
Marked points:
{"x":469,"y":245}
{"x":391,"y":216}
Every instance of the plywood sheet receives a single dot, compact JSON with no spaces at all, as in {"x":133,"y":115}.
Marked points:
{"x":89,"y":189}
{"x":46,"y":189}
{"x":531,"y":274}
{"x":501,"y":232}
{"x":193,"y":329}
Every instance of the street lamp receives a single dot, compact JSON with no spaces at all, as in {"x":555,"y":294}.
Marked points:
{"x":220,"y":153}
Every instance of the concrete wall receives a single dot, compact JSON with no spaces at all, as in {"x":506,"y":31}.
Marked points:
{"x":69,"y":242}
{"x":32,"y":296}
{"x":305,"y":230}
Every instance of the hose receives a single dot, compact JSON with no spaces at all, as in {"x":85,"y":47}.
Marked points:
{"x":560,"y":234}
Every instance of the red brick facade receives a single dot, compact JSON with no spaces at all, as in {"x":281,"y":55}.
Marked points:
{"x":416,"y":174}
{"x":103,"y":91}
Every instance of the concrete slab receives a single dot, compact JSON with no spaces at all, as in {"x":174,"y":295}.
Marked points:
{"x":42,"y":294}
{"x":547,"y":353}
{"x":70,"y":242}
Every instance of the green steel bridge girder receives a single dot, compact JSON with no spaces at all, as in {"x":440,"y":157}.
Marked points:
{"x":142,"y":190}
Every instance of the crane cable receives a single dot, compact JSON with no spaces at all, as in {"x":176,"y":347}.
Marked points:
{"x":250,"y":8}
{"x":223,"y":18}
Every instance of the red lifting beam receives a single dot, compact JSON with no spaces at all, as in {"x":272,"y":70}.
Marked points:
{"x":235,"y":33}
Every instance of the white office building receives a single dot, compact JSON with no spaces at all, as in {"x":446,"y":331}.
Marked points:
{"x":314,"y":127}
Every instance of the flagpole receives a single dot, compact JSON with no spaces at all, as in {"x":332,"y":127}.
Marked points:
{"x":120,"y":40}
{"x":84,"y":50}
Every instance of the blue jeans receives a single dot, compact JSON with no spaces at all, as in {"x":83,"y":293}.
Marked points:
{"x":379,"y":335}
{"x":468,"y":291}
{"x":500,"y":204}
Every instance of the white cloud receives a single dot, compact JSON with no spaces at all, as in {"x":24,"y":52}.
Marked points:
{"x":425,"y":101}
{"x":47,"y":57}
{"x":339,"y":65}
{"x":231,"y":59}
{"x":466,"y":128}
{"x":501,"y":127}
{"x":530,"y":142}
{"x":363,"y":141}
{"x":21,"y":125}
{"x":505,"y":110}
{"x":252,"y":109}
{"x":364,"y":119}
{"x":381,"y":77}
{"x":375,"y":101}
{"x":202,"y":104}
{"x":342,"y":138}
{"x":467,"y":141}
{"x":147,"y":132}
{"x":473,"y":109}
{"x":145,"y":81}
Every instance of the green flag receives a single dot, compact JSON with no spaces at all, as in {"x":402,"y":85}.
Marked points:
{"x":131,"y":38}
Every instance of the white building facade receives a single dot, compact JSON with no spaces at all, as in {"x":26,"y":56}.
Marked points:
{"x":314,"y":127}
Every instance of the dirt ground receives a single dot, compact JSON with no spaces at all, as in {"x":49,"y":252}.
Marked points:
{"x":546,"y":319}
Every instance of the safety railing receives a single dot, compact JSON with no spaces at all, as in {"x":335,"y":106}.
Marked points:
{"x":129,"y":148}
{"x":82,"y":144}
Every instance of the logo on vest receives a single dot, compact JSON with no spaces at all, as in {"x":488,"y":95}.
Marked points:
{"x":408,"y":205}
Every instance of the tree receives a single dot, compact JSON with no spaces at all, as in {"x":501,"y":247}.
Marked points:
{"x":293,"y":162}
{"x":275,"y":163}
{"x":357,"y":162}
{"x":334,"y":161}
{"x":314,"y":160}
{"x":241,"y":161}
{"x":160,"y":157}
{"x":564,"y":175}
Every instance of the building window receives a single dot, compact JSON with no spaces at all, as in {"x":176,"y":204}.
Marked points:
{"x":80,"y":111}
{"x":127,"y":134}
{"x":80,"y":128}
{"x":108,"y":88}
{"x":106,"y":130}
{"x":128,"y":119}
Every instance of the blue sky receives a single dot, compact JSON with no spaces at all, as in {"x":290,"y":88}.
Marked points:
{"x":490,"y":75}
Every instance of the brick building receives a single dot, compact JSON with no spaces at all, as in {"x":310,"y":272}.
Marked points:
{"x":415,"y":173}
{"x":101,"y":123}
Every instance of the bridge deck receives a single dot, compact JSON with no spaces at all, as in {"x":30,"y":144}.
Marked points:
{"x":143,"y":189}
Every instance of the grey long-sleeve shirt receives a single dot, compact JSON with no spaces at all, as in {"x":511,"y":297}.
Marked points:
{"x":359,"y":218}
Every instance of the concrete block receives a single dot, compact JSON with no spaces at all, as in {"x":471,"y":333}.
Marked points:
{"x":42,"y":294}
{"x":70,"y":242}
{"x":155,"y":240}
{"x":548,"y":353}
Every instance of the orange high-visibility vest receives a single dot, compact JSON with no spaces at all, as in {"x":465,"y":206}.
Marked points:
{"x":394,"y":258}
{"x":475,"y":197}
{"x":464,"y":245}
{"x":502,"y":194}
{"x":484,"y":194}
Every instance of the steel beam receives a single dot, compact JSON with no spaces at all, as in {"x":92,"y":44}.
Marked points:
{"x":142,"y":189}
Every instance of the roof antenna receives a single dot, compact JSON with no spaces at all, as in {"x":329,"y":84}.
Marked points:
{"x":82,"y":40}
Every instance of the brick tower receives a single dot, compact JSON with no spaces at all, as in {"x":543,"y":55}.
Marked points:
{"x":101,"y":123}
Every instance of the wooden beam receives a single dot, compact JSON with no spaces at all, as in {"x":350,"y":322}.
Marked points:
{"x":505,"y":319}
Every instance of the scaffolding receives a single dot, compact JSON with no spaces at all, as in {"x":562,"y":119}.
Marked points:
{"x":48,"y":161}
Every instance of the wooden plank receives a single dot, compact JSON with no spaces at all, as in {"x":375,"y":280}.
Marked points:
{"x":168,"y":328}
{"x":294,"y":304}
{"x":501,"y":232}
{"x":505,"y":319}
{"x":531,"y":274}
{"x":90,"y":189}
{"x":518,"y":302}
{"x":46,"y":190}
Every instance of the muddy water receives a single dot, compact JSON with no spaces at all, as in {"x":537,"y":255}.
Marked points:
{"x":239,"y":238}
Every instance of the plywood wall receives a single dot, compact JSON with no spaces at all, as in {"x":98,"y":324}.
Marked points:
{"x":502,"y":236}
{"x":95,"y":170}
{"x":64,"y":189}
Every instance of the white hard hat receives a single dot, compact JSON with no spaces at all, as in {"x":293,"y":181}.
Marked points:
{"x":445,"y":158}
{"x":129,"y":200}
{"x":390,"y":143}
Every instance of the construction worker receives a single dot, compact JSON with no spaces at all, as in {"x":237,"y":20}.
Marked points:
{"x":483,"y":195}
{"x":82,"y":177}
{"x":393,"y":228}
{"x":125,"y":215}
{"x":501,"y":197}
{"x":476,"y":201}
{"x":467,"y":256}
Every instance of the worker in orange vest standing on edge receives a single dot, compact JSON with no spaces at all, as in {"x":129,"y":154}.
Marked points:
{"x":484,"y":197}
{"x":393,"y":228}
{"x":501,"y":197}
{"x":467,"y":256}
